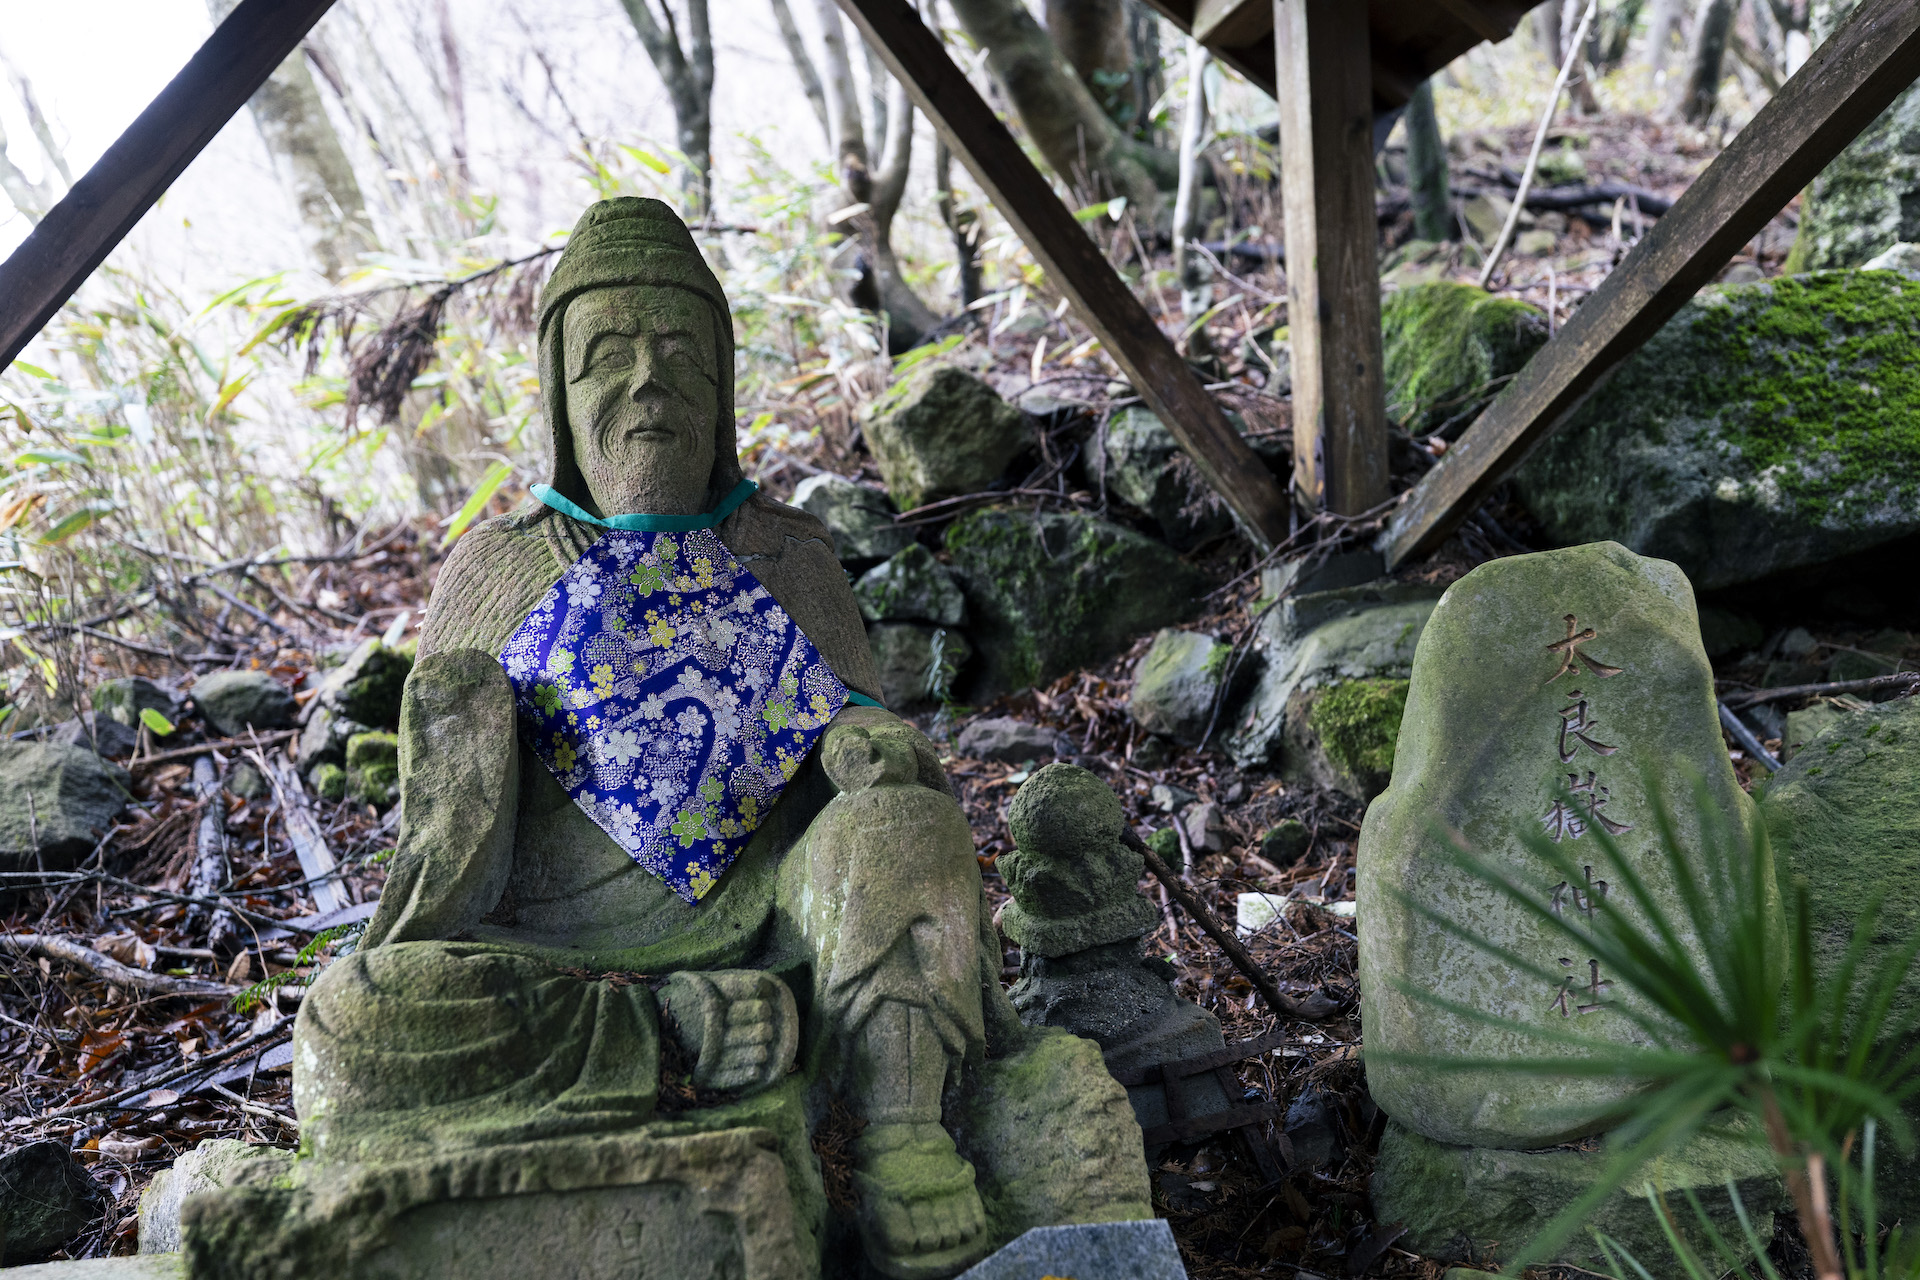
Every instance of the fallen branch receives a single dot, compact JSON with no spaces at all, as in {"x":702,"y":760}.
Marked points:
{"x":47,"y":879}
{"x":68,"y":951}
{"x":273,"y":1035}
{"x":202,"y":748}
{"x":1907,"y":680}
{"x":1312,"y":1009}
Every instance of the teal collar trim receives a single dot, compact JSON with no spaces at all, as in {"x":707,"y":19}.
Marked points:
{"x":642,"y":523}
{"x":862,"y":700}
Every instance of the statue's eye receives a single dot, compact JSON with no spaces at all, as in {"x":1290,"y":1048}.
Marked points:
{"x":609,"y":352}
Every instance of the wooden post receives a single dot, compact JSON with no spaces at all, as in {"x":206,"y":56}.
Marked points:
{"x":1324,"y":76}
{"x":78,"y":233}
{"x":1074,"y":265}
{"x":1847,"y":82}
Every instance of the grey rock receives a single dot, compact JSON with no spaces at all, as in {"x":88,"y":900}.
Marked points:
{"x":1205,"y":828}
{"x":911,"y":587}
{"x":232,"y":700}
{"x":1721,"y":445}
{"x":1135,"y":1250}
{"x":1480,"y":1204}
{"x":212,"y":1164}
{"x":1176,"y":684}
{"x":1309,"y":576}
{"x":366,"y":687}
{"x":1313,"y":1129}
{"x":1285,"y":842}
{"x":1168,"y":798}
{"x":1862,"y":205}
{"x":1317,"y":642}
{"x":155,"y":1266}
{"x":862,"y":527}
{"x":56,"y":801}
{"x":97,"y":733}
{"x":1903,"y":256}
{"x":1153,"y":752}
{"x":1447,"y":348}
{"x":1006,"y":740}
{"x":1858,"y":664}
{"x":1796,"y":642}
{"x":46,"y":1198}
{"x":125,"y":698}
{"x":323,"y":739}
{"x":1143,"y":465}
{"x":942,"y":433}
{"x":917,"y":664}
{"x":1049,"y":593}
{"x":247,"y":782}
{"x":1804,"y":726}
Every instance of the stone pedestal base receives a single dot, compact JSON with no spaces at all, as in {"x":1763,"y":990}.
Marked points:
{"x":708,"y":1206}
{"x":1481,"y":1204}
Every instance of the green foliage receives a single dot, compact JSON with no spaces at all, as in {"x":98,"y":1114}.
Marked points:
{"x":1812,"y":1057}
{"x":306,"y":965}
{"x":155,"y":722}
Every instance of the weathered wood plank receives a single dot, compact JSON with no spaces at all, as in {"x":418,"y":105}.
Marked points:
{"x":1333,"y":270}
{"x":1847,"y":82}
{"x":1074,"y":264}
{"x":1231,"y":22}
{"x":78,"y":233}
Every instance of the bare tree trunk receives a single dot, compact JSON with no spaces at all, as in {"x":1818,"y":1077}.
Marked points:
{"x":456,"y":97}
{"x":1660,"y":35}
{"x":1427,"y":168}
{"x":803,"y":66}
{"x":908,"y":318}
{"x":1613,"y":33}
{"x":878,"y":78}
{"x":688,"y":76}
{"x":1706,"y":59}
{"x":31,"y":198}
{"x":963,"y":224}
{"x":1092,"y":35}
{"x":1546,"y":31}
{"x":1143,"y":47}
{"x":293,"y":123}
{"x":843,"y":107}
{"x":1192,"y":271}
{"x":1077,"y":138}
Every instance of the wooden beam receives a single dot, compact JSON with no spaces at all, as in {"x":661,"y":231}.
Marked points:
{"x":78,"y":233}
{"x":1333,"y":269}
{"x":1232,"y":22}
{"x":1847,"y":82}
{"x":1075,"y":265}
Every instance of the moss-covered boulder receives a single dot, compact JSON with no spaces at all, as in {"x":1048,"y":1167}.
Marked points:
{"x":1177,"y":683}
{"x":1868,"y":197}
{"x":1051,"y":592}
{"x":125,"y":698}
{"x":1766,"y":427}
{"x":1844,"y":814}
{"x":373,"y":768}
{"x":942,"y":433}
{"x":911,"y":587}
{"x":1475,"y":1204}
{"x":1309,"y":645}
{"x":1342,"y":735}
{"x":1136,"y":459}
{"x":1449,"y":348}
{"x":231,"y":701}
{"x":857,"y":517}
{"x":366,"y":687}
{"x":56,"y":801}
{"x":1537,"y":673}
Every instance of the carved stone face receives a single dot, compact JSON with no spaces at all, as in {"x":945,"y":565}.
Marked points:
{"x":643,"y":393}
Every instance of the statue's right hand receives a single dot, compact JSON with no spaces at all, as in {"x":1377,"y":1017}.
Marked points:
{"x":741,"y":1026}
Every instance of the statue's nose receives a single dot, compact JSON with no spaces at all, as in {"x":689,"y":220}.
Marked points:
{"x":644,"y":367}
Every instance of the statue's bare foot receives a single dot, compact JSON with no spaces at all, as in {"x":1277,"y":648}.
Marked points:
{"x":920,"y":1216}
{"x":740,"y":1025}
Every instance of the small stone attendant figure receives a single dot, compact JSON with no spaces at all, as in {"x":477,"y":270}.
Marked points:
{"x":641,"y":739}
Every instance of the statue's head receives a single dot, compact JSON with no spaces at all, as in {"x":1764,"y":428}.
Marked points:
{"x":636,"y":365}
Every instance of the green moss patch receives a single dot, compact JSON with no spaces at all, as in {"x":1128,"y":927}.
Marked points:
{"x":1449,"y":348}
{"x":1358,"y":722}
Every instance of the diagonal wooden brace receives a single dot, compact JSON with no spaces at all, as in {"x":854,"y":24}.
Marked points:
{"x":1074,"y":264}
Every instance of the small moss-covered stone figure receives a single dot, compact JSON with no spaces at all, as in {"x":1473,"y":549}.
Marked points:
{"x":526,"y":979}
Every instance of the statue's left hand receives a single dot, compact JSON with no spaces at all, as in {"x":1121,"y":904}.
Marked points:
{"x":740,"y":1026}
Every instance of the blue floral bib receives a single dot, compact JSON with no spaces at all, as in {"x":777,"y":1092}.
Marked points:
{"x":668,"y":692}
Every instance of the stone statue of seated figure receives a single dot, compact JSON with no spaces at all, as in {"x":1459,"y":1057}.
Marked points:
{"x":645,"y":814}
